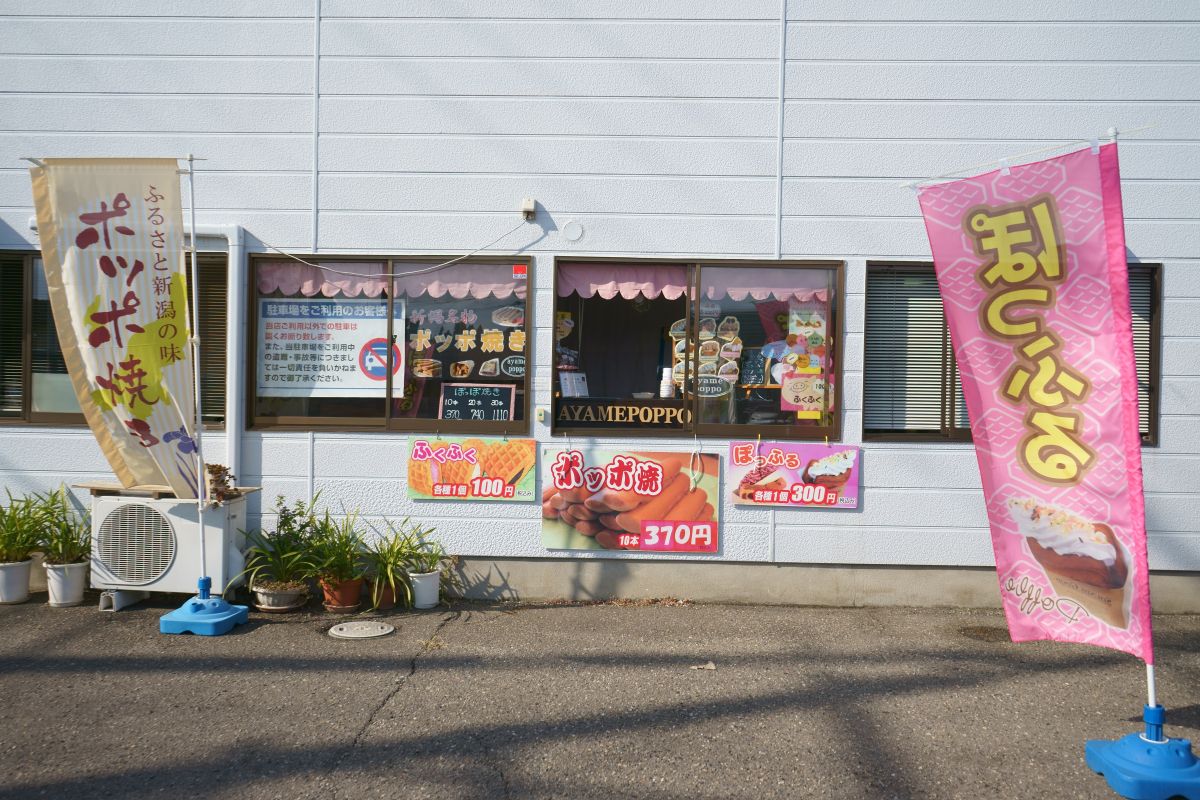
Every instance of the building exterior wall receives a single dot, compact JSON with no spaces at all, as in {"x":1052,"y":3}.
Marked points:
{"x":657,"y":127}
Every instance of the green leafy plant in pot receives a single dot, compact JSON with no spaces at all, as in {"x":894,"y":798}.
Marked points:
{"x":338,"y":556}
{"x":425,"y":568}
{"x":66,"y":544}
{"x":387,"y":560}
{"x":21,"y":522}
{"x":279,"y":563}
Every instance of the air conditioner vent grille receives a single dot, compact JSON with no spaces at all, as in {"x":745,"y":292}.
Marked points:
{"x":136,"y":544}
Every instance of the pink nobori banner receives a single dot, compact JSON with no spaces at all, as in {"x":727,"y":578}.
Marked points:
{"x":1032,"y":270}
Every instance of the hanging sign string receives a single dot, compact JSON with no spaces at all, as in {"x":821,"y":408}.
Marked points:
{"x":421,"y":271}
{"x":1004,"y":162}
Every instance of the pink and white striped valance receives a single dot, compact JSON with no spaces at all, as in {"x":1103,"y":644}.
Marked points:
{"x":669,"y":281}
{"x":368,"y":279}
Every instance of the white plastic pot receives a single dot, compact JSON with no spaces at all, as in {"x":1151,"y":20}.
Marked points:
{"x":14,"y":581}
{"x":66,"y":583}
{"x":425,"y":586}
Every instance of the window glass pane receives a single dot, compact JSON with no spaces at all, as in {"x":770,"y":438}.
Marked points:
{"x":1141,"y":301}
{"x":321,"y":340}
{"x":51,"y":390}
{"x":619,"y":331}
{"x":213,"y":300}
{"x":12,"y":323}
{"x":464,"y":329}
{"x":903,"y":371}
{"x":765,"y":346}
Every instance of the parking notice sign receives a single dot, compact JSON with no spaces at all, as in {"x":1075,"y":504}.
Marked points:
{"x":319,"y":347}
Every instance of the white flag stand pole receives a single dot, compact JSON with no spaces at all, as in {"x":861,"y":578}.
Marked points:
{"x":203,"y":614}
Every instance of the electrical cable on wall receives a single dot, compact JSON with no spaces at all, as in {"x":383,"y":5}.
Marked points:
{"x":392,"y":275}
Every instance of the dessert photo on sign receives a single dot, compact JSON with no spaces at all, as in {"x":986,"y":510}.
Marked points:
{"x":1083,"y":560}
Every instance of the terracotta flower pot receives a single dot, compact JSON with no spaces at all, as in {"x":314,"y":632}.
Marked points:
{"x":386,"y":596}
{"x":342,"y":596}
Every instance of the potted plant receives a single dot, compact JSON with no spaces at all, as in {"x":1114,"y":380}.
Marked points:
{"x":66,"y":545}
{"x":425,"y":569}
{"x":279,"y":563}
{"x":338,"y":562}
{"x":20,"y":531}
{"x":387,"y":561}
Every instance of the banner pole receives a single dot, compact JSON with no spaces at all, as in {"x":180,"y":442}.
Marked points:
{"x":203,"y":614}
{"x":202,"y":483}
{"x":1151,"y":694}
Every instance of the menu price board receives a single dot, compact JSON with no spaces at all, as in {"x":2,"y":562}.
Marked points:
{"x":793,"y":475}
{"x":472,"y":468}
{"x":477,"y":401}
{"x":597,"y":499}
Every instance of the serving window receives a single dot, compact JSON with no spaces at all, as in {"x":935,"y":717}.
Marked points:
{"x":391,"y":344}
{"x":716,"y":349}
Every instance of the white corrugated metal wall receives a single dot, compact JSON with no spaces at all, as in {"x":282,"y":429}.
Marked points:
{"x":655,"y":125}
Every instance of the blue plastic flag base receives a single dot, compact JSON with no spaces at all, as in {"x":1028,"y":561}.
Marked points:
{"x":1147,"y":766}
{"x":204,"y":615}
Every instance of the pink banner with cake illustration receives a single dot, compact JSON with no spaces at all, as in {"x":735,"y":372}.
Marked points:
{"x":792,"y":474}
{"x":1033,"y":276}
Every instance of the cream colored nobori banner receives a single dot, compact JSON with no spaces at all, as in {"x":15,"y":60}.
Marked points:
{"x":112,"y":246}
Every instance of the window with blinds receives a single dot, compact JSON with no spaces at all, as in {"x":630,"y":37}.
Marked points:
{"x":212,"y":271}
{"x":33,"y":376}
{"x":911,"y":388}
{"x":12,"y":333}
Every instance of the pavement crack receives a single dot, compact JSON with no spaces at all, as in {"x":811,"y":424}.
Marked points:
{"x":493,"y":761}
{"x":432,"y":643}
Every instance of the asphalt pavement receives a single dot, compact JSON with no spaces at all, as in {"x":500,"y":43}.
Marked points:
{"x":569,"y":701}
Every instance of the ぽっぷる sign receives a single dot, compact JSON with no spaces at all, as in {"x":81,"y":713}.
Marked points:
{"x":1032,"y":269}
{"x":793,"y":475}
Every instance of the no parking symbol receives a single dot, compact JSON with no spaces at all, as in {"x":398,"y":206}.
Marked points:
{"x":372,"y":359}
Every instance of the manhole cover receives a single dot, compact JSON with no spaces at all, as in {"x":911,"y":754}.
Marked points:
{"x":360,"y":630}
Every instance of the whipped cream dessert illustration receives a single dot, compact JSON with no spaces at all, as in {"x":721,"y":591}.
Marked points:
{"x":832,"y":471}
{"x":1082,"y":559}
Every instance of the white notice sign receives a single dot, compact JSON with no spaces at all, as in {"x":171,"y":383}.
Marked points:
{"x":319,"y":347}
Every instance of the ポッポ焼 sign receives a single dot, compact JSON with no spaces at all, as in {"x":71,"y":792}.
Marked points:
{"x":112,"y":243}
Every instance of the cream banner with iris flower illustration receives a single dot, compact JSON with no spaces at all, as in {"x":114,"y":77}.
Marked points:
{"x":112,"y":246}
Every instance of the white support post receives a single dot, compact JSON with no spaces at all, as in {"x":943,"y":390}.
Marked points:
{"x":195,"y":341}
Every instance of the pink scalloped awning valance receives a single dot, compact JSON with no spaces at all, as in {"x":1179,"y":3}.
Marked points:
{"x":765,"y":283}
{"x":654,"y":280}
{"x":627,"y":280}
{"x":368,"y":279}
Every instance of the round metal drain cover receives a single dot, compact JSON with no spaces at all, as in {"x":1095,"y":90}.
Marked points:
{"x":360,"y":630}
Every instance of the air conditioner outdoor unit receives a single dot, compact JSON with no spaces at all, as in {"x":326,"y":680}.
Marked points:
{"x":153,"y":545}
